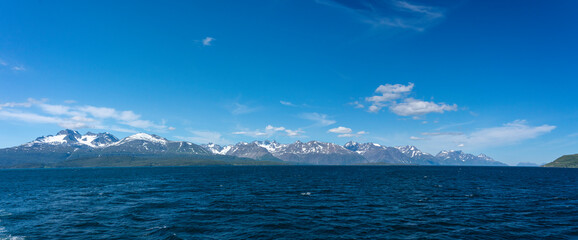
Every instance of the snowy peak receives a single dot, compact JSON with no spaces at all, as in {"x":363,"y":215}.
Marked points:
{"x":351,"y":145}
{"x":98,"y":140}
{"x":412,"y":151}
{"x":145,"y":137}
{"x":313,"y":152}
{"x":271,"y":146}
{"x":64,"y":137}
{"x":214,"y":148}
{"x":69,"y":134}
{"x":71,"y":138}
{"x":456,"y":157}
{"x":313,"y":147}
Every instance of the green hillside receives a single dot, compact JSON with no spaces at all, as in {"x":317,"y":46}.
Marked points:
{"x":566,"y":161}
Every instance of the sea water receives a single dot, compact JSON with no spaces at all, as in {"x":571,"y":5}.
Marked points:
{"x":290,"y":202}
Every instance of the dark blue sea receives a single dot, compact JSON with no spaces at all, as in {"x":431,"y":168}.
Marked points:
{"x":290,"y":202}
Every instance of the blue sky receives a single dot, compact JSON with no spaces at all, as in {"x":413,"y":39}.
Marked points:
{"x":490,"y":77}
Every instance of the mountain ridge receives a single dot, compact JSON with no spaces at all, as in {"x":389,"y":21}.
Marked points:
{"x":69,"y":145}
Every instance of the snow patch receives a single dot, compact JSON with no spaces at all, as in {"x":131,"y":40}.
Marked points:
{"x":145,"y":137}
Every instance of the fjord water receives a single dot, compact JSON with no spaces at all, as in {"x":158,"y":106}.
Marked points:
{"x":290,"y":202}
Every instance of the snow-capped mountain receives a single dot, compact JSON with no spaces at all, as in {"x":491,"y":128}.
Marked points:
{"x":69,"y":145}
{"x":214,"y":148}
{"x":271,"y":146}
{"x":315,"y":152}
{"x":453,"y":157}
{"x":375,"y":153}
{"x":66,"y":139}
{"x":418,"y":157}
{"x":98,"y":139}
{"x":144,"y":143}
{"x":248,"y":150}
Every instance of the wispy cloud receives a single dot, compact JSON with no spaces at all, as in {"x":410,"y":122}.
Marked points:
{"x":18,"y":68}
{"x":319,"y":119}
{"x":294,"y":133}
{"x":203,"y":137}
{"x":287,"y":103}
{"x":391,"y":13}
{"x":507,"y":134}
{"x":74,"y":116}
{"x":240,"y":109}
{"x":395,"y":97}
{"x":432,"y":12}
{"x":442,"y":133}
{"x":207,"y":41}
{"x":270,"y":131}
{"x":357,"y":104}
{"x":12,"y":66}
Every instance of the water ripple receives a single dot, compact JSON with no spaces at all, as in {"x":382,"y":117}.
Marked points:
{"x":290,"y":202}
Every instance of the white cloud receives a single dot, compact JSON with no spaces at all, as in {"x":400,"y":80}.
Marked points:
{"x":340,"y":130}
{"x":18,"y":68}
{"x":442,"y":133}
{"x":287,"y":103}
{"x":240,"y":109}
{"x":207,"y":41}
{"x":319,"y":119}
{"x":416,"y":138}
{"x":294,"y":133}
{"x":389,"y":94}
{"x":427,"y":10}
{"x":100,"y":112}
{"x":16,"y":104}
{"x":507,"y":134}
{"x":352,"y":134}
{"x":203,"y":137}
{"x":395,"y":97}
{"x":357,"y":104}
{"x":70,"y":116}
{"x":29,"y":117}
{"x":395,"y":88}
{"x":12,"y":66}
{"x":412,"y":106}
{"x":55,"y":109}
{"x":346,"y":132}
{"x":275,"y":129}
{"x":270,"y":131}
{"x":391,"y":14}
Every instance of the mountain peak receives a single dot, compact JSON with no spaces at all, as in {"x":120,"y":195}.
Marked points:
{"x":146,"y":137}
{"x":68,"y":132}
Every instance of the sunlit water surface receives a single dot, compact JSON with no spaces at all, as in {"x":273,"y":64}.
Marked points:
{"x":290,"y":202}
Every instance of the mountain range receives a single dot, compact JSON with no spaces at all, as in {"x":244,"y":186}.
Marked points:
{"x":69,"y":148}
